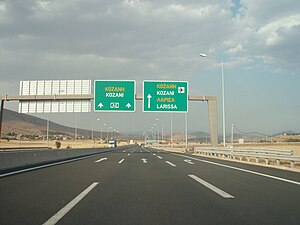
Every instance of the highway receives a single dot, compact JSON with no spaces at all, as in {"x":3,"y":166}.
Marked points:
{"x":137,"y":185}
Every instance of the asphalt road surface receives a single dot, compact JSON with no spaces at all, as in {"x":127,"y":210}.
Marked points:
{"x":140,"y":186}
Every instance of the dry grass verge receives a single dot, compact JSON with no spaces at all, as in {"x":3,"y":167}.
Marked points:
{"x":43,"y":144}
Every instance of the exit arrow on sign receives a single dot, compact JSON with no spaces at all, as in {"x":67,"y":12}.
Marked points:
{"x":100,"y":105}
{"x":128,"y":105}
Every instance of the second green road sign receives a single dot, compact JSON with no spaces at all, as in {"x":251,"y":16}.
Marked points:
{"x":112,"y":95}
{"x":165,"y":96}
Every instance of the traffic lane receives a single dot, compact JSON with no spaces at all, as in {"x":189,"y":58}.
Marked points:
{"x":286,"y":174}
{"x":50,"y":188}
{"x":260,"y":198}
{"x":222,"y":167}
{"x":37,"y":194}
{"x":261,"y":169}
{"x":140,"y":154}
{"x":151,"y":193}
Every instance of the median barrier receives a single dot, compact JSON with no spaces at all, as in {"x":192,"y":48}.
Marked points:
{"x":14,"y":160}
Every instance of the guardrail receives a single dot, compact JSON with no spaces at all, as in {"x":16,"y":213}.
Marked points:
{"x":267,"y":155}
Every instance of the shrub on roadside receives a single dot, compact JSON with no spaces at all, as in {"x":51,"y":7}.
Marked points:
{"x":57,"y":144}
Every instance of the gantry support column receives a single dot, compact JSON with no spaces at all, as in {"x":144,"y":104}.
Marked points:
{"x":212,"y":115}
{"x":213,"y":124}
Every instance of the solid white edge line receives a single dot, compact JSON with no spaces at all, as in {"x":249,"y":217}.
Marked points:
{"x":171,"y":164}
{"x":243,"y":170}
{"x":121,"y":161}
{"x":61,"y":213}
{"x":211,"y":187}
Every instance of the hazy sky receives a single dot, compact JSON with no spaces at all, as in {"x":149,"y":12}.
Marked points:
{"x":161,"y":40}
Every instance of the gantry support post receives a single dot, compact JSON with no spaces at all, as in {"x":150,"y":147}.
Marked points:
{"x":213,"y":124}
{"x":212,"y":114}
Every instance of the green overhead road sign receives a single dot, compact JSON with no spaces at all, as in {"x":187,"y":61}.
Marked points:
{"x":165,"y":96}
{"x":112,"y":95}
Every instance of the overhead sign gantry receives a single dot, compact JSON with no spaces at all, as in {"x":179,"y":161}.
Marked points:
{"x":159,"y":96}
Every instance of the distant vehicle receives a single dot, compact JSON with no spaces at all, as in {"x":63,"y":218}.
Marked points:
{"x":112,"y":144}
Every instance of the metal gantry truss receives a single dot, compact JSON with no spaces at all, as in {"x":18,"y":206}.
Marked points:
{"x":211,"y":100}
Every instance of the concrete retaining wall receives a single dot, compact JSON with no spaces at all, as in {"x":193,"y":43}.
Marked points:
{"x":10,"y":161}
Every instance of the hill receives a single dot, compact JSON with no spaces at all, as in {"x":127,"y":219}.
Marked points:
{"x":17,"y":123}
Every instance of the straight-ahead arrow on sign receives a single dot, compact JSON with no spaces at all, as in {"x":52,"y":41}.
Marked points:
{"x":149,"y":101}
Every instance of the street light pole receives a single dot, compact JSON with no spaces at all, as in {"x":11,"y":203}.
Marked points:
{"x":232,"y":126}
{"x":106,"y":132}
{"x":186,"y":132}
{"x":223,"y":94}
{"x":162,"y":130}
{"x":93,"y":131}
{"x":171,"y":130}
{"x":47,"y":130}
{"x":75,"y":130}
{"x":152,"y":134}
{"x":155,"y":132}
{"x":100,"y":130}
{"x":223,"y":101}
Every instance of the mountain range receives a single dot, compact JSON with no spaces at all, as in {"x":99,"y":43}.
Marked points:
{"x":14,"y":122}
{"x":17,"y":123}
